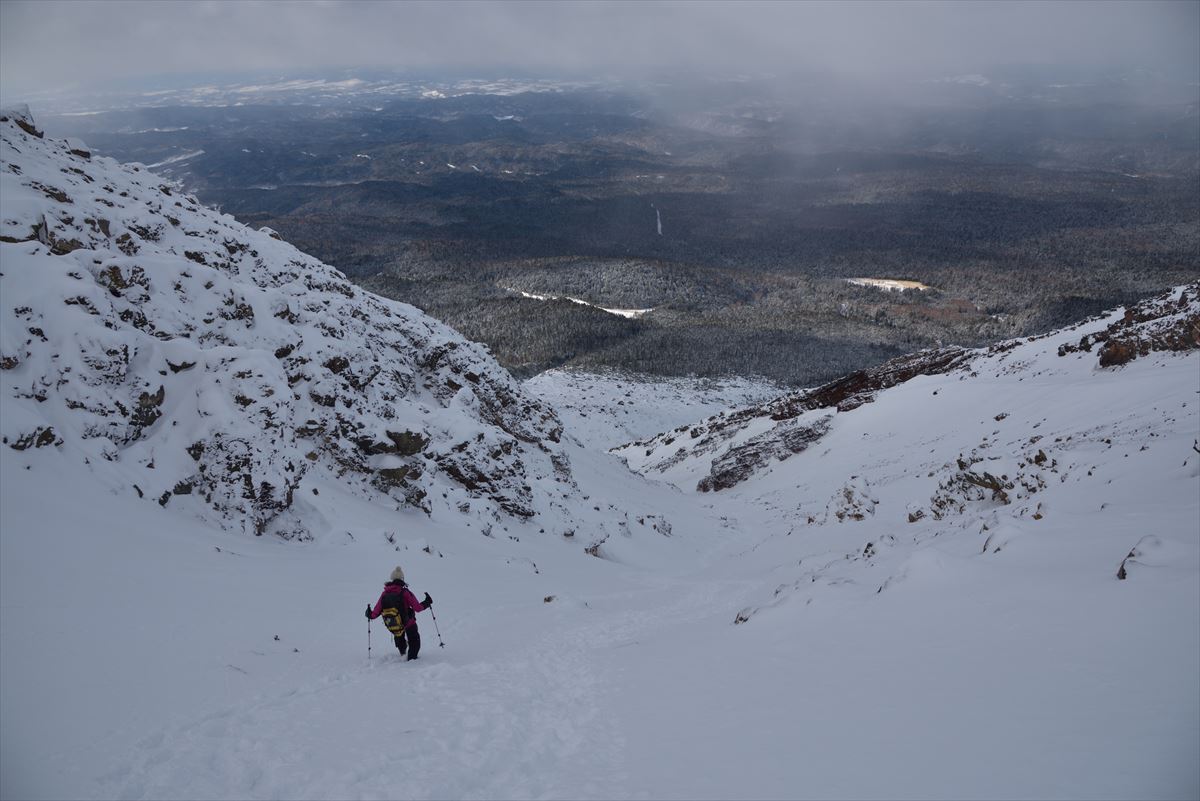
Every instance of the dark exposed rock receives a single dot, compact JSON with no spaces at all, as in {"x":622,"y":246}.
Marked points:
{"x":1116,"y":353}
{"x":61,"y":247}
{"x":329,"y":401}
{"x":147,"y":232}
{"x":52,"y":192}
{"x":739,"y":463}
{"x":147,"y":411}
{"x":404,"y":443}
{"x":985,"y":480}
{"x":26,"y":124}
{"x":34,"y":234}
{"x":860,"y":386}
{"x":407,"y":443}
{"x":126,"y":245}
{"x":40,"y":437}
{"x":489,"y":484}
{"x":238,"y":310}
{"x":337,"y":364}
{"x":117,"y":282}
{"x":1156,"y":324}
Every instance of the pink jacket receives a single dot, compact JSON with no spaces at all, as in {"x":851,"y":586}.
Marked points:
{"x":406,"y":598}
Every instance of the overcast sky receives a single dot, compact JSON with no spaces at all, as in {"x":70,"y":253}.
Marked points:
{"x":47,"y":44}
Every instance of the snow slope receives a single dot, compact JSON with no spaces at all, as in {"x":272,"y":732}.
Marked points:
{"x":181,"y":380}
{"x":607,"y":409}
{"x":790,"y":634}
{"x":991,"y":572}
{"x":219,"y":369}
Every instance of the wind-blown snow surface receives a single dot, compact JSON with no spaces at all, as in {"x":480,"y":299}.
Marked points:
{"x":607,"y":409}
{"x":159,"y":651}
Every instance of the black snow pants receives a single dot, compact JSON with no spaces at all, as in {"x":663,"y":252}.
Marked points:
{"x":413,"y":645}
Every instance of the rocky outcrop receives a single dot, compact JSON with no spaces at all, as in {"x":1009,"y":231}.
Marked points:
{"x":144,"y":329}
{"x":1169,"y":322}
{"x":742,"y":461}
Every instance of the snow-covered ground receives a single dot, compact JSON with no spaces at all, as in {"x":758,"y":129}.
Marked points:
{"x":793,"y":636}
{"x":604,"y":410}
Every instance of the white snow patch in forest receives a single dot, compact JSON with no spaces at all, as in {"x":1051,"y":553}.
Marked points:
{"x":889,"y":284}
{"x":176,"y":159}
{"x":627,"y":313}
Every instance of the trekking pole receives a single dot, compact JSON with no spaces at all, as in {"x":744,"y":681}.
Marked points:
{"x":368,"y":639}
{"x":435,"y":628}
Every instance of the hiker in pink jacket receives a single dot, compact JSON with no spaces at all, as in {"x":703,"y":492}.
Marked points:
{"x":398,"y":607}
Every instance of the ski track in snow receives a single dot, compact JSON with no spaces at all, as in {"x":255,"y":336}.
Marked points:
{"x":457,"y":734}
{"x":529,"y":723}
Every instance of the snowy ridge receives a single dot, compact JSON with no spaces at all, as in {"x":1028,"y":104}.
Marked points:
{"x":218,"y":367}
{"x":733,"y":446}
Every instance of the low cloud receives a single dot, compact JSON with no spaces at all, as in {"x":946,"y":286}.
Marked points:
{"x":48,"y":44}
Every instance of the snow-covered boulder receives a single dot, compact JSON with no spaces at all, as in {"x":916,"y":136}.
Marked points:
{"x":19,"y":115}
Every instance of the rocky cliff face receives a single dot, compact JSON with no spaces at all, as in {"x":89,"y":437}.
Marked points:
{"x":219,"y":366}
{"x":1165,"y":323}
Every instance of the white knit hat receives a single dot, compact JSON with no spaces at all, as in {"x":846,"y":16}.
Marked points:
{"x":398,"y":574}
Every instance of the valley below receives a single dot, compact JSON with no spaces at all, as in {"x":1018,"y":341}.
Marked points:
{"x":739,"y":215}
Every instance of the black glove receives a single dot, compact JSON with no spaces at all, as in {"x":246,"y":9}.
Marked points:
{"x":428,"y":601}
{"x":368,"y":612}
